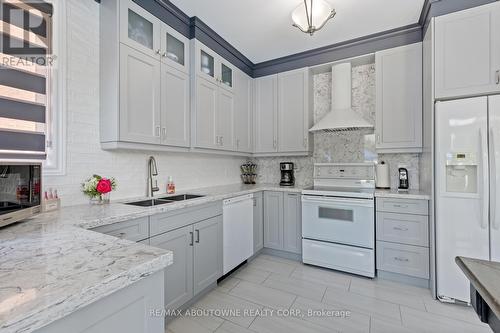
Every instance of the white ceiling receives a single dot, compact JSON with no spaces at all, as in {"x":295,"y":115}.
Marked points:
{"x":262,"y":29}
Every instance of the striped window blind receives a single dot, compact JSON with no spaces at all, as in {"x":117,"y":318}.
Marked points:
{"x":25,"y":60}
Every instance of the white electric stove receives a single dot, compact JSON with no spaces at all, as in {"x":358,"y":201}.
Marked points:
{"x":338,"y":218}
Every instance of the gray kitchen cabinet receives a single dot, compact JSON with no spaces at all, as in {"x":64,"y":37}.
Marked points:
{"x":145,"y":96}
{"x":139,"y":29}
{"x":293,"y":111}
{"x":175,"y":107}
{"x":403,"y":259}
{"x":243,"y":115}
{"x":174,"y":49}
{"x":140,"y":113}
{"x":292,"y":224}
{"x":207,"y":253}
{"x":225,"y":120}
{"x":134,"y":230}
{"x":213,"y":101}
{"x":398,"y":127}
{"x":273,"y":220}
{"x":179,"y":275}
{"x":205,"y":111}
{"x":467,"y":52}
{"x":266,"y":114}
{"x":403,"y":239}
{"x":258,"y":222}
{"x":127,"y":311}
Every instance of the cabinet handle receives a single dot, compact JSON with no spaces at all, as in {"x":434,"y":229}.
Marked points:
{"x":237,"y":143}
{"x":254,"y":202}
{"x":378,"y":138}
{"x":157,"y":130}
{"x":498,"y":76}
{"x":217,"y":140}
{"x":305,"y":142}
{"x":164,"y":131}
{"x":192,"y":238}
{"x":122,"y":235}
{"x":274,"y":143}
{"x":401,"y":259}
{"x":222,"y":141}
{"x":400,"y":229}
{"x":197,"y":236}
{"x":400,"y":206}
{"x":164,"y":54}
{"x":158,"y":52}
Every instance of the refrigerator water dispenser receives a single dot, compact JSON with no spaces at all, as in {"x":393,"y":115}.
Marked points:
{"x":461,"y":173}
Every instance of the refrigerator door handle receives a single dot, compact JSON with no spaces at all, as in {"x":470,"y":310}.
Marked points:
{"x":485,"y":187}
{"x":493,"y":189}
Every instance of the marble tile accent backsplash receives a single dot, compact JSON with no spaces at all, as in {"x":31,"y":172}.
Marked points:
{"x":342,"y":147}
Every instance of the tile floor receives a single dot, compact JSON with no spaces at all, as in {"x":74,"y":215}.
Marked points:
{"x":271,"y":294}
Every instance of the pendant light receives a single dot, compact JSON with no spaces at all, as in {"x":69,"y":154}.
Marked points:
{"x":312,"y":15}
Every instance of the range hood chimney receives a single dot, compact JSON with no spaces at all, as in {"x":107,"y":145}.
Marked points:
{"x":342,"y":117}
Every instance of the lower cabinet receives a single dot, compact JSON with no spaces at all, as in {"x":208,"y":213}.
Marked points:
{"x":258,"y":222}
{"x":126,"y":311}
{"x":282,"y":221}
{"x":403,"y":239}
{"x":179,"y":275}
{"x":273,"y":220}
{"x":197,"y":263}
{"x":207,"y":253}
{"x":292,"y":223}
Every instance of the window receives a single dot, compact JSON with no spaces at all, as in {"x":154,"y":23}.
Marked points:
{"x":28,"y":119}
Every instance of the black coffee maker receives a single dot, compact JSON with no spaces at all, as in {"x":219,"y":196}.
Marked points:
{"x":287,"y":177}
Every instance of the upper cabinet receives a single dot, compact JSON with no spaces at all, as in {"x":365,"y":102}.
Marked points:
{"x":398,"y":127}
{"x":467,"y":52}
{"x":146,"y":33}
{"x":212,"y":67}
{"x":145,"y":96}
{"x":283,"y":113}
{"x":139,"y":29}
{"x":293,"y":111}
{"x":243,"y":112}
{"x":266,"y":114}
{"x":213,"y":103}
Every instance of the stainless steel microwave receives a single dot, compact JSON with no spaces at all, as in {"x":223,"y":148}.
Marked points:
{"x":20,"y":191}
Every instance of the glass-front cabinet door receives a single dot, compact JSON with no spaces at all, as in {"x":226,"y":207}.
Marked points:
{"x":206,"y":63}
{"x":226,"y":76}
{"x":175,"y":49}
{"x":139,"y":29}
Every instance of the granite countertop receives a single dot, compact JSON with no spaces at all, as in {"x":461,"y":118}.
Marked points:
{"x":51,"y":266}
{"x":411,"y":194}
{"x":484,"y":275}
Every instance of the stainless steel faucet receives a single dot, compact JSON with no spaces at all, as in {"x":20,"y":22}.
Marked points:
{"x":152,"y":171}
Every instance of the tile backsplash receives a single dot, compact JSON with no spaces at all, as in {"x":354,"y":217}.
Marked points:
{"x":343,"y":147}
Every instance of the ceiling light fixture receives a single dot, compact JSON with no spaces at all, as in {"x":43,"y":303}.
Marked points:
{"x":311,"y":15}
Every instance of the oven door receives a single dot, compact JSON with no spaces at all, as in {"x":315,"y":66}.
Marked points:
{"x":340,"y":220}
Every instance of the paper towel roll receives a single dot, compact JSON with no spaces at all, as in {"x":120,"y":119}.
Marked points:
{"x":382,"y":175}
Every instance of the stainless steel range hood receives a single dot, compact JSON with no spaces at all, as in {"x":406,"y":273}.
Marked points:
{"x":342,"y":117}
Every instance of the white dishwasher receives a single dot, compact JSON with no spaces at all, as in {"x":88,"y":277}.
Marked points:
{"x":237,"y":231}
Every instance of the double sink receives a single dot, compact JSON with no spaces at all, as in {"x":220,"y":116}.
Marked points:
{"x":164,"y":200}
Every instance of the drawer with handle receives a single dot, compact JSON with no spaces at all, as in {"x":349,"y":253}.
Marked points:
{"x":403,"y":259}
{"x":133,"y":230}
{"x":403,"y":206}
{"x":403,"y":228}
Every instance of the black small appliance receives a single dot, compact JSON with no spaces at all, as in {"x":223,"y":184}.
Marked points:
{"x":287,"y":177}
{"x":403,"y":179}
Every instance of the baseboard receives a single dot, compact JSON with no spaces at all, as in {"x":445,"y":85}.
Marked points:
{"x":282,"y":254}
{"x":405,"y":279}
